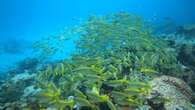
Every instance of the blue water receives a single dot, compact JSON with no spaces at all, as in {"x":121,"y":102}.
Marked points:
{"x":24,"y":21}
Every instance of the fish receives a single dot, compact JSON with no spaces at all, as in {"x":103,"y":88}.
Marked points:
{"x":82,"y":101}
{"x":117,"y":83}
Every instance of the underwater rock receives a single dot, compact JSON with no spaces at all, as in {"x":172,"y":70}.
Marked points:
{"x":175,"y":91}
{"x":10,"y":92}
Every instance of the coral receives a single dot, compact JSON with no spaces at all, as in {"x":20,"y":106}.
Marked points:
{"x":144,"y":107}
{"x":186,"y":55}
{"x":183,"y":35}
{"x":14,"y":94}
{"x":22,"y":77}
{"x":183,"y":43}
{"x":30,"y":91}
{"x":15,"y":85}
{"x":176,"y":92}
{"x":187,"y":30}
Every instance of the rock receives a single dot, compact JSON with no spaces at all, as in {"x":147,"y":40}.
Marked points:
{"x":175,"y":90}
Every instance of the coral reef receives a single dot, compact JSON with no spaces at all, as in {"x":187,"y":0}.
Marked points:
{"x":183,"y":41}
{"x":119,"y":64}
{"x":13,"y":91}
{"x":187,"y":30}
